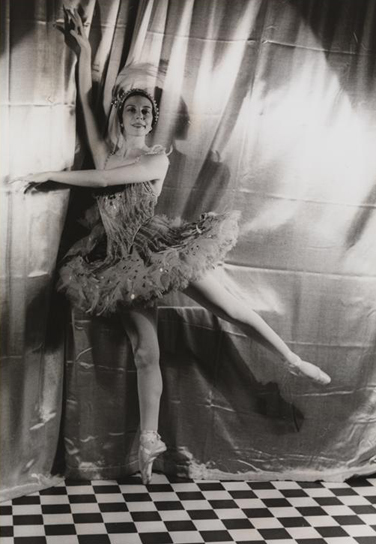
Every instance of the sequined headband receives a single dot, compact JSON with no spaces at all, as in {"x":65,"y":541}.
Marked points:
{"x":121,"y":96}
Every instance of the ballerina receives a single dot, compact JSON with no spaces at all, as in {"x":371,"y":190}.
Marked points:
{"x":132,"y":257}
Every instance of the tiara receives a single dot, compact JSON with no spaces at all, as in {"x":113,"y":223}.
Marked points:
{"x":121,"y":96}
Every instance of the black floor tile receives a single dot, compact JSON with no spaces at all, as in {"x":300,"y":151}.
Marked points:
{"x":121,"y":528}
{"x":146,"y":516}
{"x":155,"y":538}
{"x":215,"y":536}
{"x":184,"y":525}
{"x":94,"y":539}
{"x":202,"y":514}
{"x":57,"y":530}
{"x":88,"y":518}
{"x":240,"y":523}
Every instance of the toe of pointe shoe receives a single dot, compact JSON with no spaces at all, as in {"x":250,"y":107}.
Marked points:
{"x":324,"y":378}
{"x":310,"y":371}
{"x":146,"y":457}
{"x":317,"y":375}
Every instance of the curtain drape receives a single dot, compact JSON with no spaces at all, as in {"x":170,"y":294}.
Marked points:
{"x":270,"y":108}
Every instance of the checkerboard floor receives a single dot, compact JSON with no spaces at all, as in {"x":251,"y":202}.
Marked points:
{"x":183,"y":511}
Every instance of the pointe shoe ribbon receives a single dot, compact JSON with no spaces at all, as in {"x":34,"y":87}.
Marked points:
{"x":150,"y":447}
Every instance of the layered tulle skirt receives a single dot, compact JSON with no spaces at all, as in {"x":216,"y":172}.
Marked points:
{"x":101,"y":278}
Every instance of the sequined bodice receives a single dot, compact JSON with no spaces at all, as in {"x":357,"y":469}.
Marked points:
{"x":123,"y":212}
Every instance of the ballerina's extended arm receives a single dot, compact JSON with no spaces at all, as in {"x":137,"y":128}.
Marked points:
{"x":97,"y":144}
{"x":152,"y":167}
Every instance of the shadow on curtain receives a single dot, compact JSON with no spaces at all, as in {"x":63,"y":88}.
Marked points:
{"x":270,"y":109}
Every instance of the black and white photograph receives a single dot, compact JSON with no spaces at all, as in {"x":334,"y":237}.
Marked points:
{"x":188,"y":271}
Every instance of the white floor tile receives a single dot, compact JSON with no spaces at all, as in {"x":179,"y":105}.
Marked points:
{"x":28,"y":530}
{"x":285,"y":512}
{"x":318,"y":492}
{"x":321,"y":521}
{"x":230,"y":513}
{"x":27,"y":509}
{"x":301,"y":502}
{"x":117,"y":517}
{"x":80,"y":490}
{"x":286,"y":485}
{"x":61,"y":539}
{"x":354,"y":500}
{"x":250,"y":503}
{"x":174,"y":515}
{"x":196,"y":505}
{"x":370,"y":519}
{"x":246,"y":534}
{"x":266,"y":523}
{"x":303,"y":532}
{"x":209,"y":525}
{"x":150,"y":526}
{"x":85,"y":508}
{"x":185,"y":487}
{"x":236,"y":486}
{"x":338,"y":510}
{"x":217,"y":495}
{"x":268,"y":493}
{"x":141,"y":506}
{"x":90,"y":528}
{"x":58,"y":519}
{"x":168,"y":496}
{"x":242,"y":535}
{"x":360,"y":530}
{"x":113,"y":497}
{"x":186,"y":537}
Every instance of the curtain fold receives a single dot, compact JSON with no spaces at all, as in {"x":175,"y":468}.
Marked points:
{"x":37,"y":133}
{"x":270,"y":109}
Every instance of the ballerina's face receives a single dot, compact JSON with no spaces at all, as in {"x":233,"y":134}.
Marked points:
{"x":137,"y":115}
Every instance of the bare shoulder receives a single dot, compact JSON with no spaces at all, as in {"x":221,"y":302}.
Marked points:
{"x":156,"y":155}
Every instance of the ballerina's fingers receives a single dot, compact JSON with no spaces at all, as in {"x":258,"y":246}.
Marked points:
{"x":20,"y":185}
{"x":78,"y":21}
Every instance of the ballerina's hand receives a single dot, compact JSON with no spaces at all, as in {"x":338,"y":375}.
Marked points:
{"x":73,"y":29}
{"x":301,"y":368}
{"x":29,"y":182}
{"x":76,"y":26}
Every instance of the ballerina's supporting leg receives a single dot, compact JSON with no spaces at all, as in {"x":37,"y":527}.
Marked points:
{"x":141,"y":328}
{"x":210,"y":294}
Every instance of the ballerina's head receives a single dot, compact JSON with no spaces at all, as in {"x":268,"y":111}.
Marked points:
{"x":137,"y":111}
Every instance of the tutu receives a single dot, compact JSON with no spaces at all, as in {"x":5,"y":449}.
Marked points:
{"x":133,"y":257}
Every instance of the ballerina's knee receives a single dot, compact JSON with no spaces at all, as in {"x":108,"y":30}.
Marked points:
{"x":146,"y":358}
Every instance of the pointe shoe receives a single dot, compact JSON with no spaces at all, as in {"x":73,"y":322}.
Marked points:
{"x":301,"y":368}
{"x":150,"y":447}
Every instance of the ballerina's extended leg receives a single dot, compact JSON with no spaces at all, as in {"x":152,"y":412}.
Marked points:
{"x":210,"y":294}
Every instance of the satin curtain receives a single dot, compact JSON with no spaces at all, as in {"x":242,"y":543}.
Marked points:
{"x":37,"y":133}
{"x":270,"y":109}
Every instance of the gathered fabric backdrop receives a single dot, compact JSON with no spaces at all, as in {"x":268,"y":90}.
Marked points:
{"x":270,"y":108}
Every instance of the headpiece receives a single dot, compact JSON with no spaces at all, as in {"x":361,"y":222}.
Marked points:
{"x":119,"y":97}
{"x":140,"y":78}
